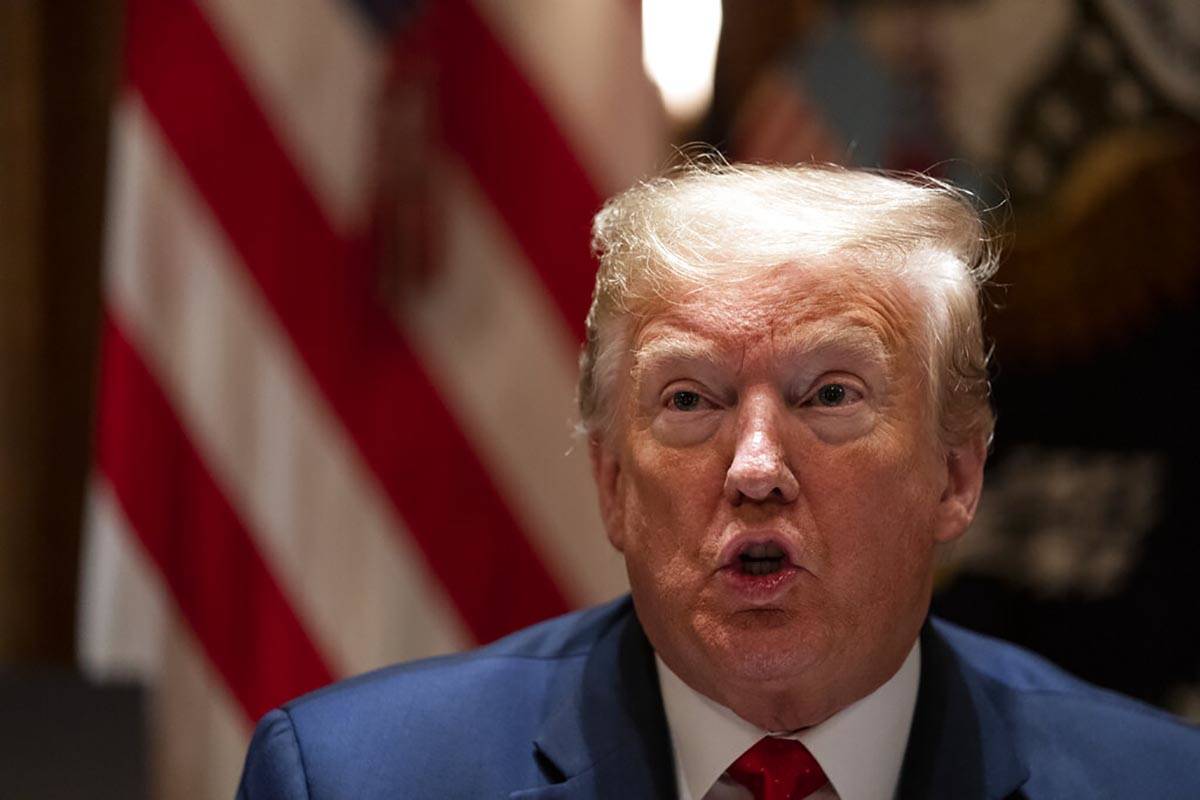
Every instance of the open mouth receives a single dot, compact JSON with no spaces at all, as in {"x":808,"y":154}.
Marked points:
{"x":761,"y":559}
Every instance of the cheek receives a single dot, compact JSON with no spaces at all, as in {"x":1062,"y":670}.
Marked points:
{"x":879,"y":516}
{"x":656,"y":552}
{"x":669,"y":500}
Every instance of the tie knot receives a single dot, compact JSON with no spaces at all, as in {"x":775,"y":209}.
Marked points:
{"x":778,"y":769}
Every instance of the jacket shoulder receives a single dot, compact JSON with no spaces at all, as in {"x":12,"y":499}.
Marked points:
{"x":412,"y":724}
{"x":1072,"y":734}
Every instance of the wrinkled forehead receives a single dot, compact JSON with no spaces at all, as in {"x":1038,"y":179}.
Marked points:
{"x":792,"y":309}
{"x":675,"y":340}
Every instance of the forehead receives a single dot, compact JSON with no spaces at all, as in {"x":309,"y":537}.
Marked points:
{"x":793,"y":310}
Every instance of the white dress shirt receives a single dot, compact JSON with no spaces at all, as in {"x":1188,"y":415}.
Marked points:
{"x":860,"y":748}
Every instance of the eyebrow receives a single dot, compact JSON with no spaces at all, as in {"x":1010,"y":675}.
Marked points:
{"x":843,"y":334}
{"x":830,"y":334}
{"x":676,"y":346}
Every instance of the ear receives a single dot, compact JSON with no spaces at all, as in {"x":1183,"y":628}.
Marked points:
{"x":606,"y":470}
{"x":964,"y":482}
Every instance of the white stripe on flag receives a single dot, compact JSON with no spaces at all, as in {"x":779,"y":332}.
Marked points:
{"x":122,"y":602}
{"x":503,"y":360}
{"x":316,"y":71}
{"x":200,"y":732}
{"x":316,"y":512}
{"x":584,"y":58}
{"x":129,"y":629}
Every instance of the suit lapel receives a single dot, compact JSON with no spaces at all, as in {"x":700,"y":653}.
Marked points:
{"x":960,"y":745}
{"x":608,"y":736}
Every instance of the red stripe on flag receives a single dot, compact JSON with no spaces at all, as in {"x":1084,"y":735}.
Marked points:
{"x":221,"y":585}
{"x":494,"y":119}
{"x":322,"y":289}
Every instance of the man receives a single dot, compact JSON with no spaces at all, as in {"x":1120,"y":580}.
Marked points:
{"x":784,"y":391}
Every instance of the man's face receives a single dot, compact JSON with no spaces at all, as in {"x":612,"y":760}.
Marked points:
{"x":777,"y":489}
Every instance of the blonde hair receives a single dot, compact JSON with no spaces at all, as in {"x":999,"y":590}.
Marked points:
{"x":704,"y":223}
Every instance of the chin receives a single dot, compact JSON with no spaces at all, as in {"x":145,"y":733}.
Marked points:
{"x":764,"y":647}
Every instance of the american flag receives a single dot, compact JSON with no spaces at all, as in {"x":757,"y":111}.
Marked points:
{"x":346,"y":272}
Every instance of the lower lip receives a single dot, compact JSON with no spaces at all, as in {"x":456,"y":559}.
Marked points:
{"x":759,"y":589}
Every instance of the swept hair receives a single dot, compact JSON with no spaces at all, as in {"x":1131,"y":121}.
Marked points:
{"x":707,"y":223}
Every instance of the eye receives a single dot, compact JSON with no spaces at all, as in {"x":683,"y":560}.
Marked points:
{"x":834,"y":394}
{"x":685,"y":400}
{"x":831,"y":394}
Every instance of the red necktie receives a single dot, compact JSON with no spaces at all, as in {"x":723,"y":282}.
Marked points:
{"x":778,"y":769}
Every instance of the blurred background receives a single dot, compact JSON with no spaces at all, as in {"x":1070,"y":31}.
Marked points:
{"x":291,"y":292}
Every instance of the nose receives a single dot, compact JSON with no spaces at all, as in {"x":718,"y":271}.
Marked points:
{"x":759,"y":471}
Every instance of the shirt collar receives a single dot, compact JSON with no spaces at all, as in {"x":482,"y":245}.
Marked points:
{"x":860,"y":748}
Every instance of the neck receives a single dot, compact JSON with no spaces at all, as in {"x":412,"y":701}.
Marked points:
{"x":786,"y":710}
{"x":781,"y":706}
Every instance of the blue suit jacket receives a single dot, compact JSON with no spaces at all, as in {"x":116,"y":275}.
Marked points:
{"x":571,"y":709}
